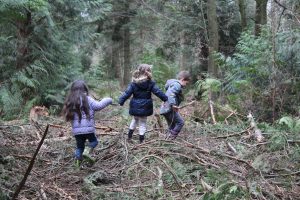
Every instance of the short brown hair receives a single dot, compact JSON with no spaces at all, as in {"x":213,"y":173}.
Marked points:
{"x":185,"y":75}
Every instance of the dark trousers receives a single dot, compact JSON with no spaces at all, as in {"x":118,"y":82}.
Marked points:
{"x":80,"y":143}
{"x":175,"y":122}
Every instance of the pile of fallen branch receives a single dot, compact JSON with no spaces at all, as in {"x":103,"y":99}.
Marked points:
{"x":204,"y":161}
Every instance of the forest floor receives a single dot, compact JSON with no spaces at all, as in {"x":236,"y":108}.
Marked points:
{"x":206,"y":161}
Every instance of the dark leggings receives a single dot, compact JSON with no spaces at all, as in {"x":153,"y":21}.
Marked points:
{"x":175,"y":122}
{"x":80,"y":143}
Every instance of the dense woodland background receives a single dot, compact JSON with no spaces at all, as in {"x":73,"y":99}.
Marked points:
{"x":246,"y":49}
{"x":243,"y":55}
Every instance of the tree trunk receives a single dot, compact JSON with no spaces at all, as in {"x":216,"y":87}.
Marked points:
{"x":242,"y":8}
{"x":260,"y":15}
{"x":142,"y":38}
{"x":126,"y":46}
{"x":126,"y":49}
{"x":115,"y":71}
{"x":184,"y":52}
{"x":213,"y":40}
{"x":115,"y":54}
{"x":24,"y":31}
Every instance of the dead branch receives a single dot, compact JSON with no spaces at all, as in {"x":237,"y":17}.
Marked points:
{"x":231,"y":147}
{"x":186,"y":105}
{"x":277,"y":175}
{"x":228,"y":117}
{"x":212,"y":112}
{"x":61,"y":192}
{"x":237,"y":159}
{"x":198,"y":160}
{"x":257,"y":132}
{"x":43,"y":193}
{"x":105,"y":128}
{"x":15,"y":195}
{"x":19,"y":126}
{"x":50,"y":140}
{"x":188,"y":144}
{"x":160,"y":183}
{"x":294,"y":141}
{"x":230,"y":135}
{"x":177,"y":180}
{"x":206,"y":186}
{"x":58,"y":126}
{"x":159,"y":122}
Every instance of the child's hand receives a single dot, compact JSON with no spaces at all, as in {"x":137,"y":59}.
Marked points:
{"x":175,"y":108}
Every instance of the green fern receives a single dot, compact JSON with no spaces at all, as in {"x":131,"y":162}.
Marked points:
{"x":290,"y":124}
{"x":10,"y":102}
{"x":206,"y":86}
{"x":278,"y":141}
{"x":21,"y":78}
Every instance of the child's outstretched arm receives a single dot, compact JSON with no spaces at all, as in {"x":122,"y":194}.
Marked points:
{"x":99,"y":105}
{"x":128,"y":92}
{"x":159,"y":93}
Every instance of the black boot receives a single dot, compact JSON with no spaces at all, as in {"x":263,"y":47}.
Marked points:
{"x":130,"y":132}
{"x":142,"y":137}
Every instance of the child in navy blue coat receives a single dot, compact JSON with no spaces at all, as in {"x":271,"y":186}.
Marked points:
{"x":141,"y":103}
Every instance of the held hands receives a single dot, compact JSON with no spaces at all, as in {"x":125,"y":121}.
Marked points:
{"x":175,"y":108}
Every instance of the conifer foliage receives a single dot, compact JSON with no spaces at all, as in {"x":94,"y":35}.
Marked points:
{"x":38,"y":50}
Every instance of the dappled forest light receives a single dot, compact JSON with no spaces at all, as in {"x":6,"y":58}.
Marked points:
{"x":240,"y":111}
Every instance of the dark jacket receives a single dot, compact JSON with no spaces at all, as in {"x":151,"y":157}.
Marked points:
{"x":141,"y":103}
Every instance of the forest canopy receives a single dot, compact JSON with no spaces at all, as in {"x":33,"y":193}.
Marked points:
{"x":245,"y":45}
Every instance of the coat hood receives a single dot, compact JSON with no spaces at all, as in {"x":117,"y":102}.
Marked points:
{"x":140,"y":79}
{"x":144,"y":84}
{"x":171,"y":82}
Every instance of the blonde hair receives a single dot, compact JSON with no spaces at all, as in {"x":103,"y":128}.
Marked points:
{"x":143,"y":70}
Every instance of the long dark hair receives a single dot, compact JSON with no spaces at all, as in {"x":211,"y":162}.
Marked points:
{"x":77,"y":101}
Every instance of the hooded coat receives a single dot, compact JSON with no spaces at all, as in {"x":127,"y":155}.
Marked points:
{"x":87,"y":125}
{"x":174,"y":94}
{"x":141,"y":103}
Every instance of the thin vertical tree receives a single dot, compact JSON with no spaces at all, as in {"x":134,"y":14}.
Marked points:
{"x":126,"y":45}
{"x":213,"y":36}
{"x":260,"y":15}
{"x":242,"y":9}
{"x":115,"y":50}
{"x":184,"y":51}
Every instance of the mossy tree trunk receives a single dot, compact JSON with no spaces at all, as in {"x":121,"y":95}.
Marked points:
{"x":242,"y":9}
{"x":24,"y":27}
{"x":213,"y":40}
{"x":126,"y":46}
{"x":260,"y":15}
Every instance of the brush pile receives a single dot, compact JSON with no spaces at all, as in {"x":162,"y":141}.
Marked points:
{"x":220,"y":161}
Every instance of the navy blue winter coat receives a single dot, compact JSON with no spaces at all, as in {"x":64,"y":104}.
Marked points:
{"x":141,"y":104}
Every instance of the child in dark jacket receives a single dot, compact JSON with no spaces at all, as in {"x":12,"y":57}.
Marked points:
{"x":79,"y":108}
{"x":141,"y":104}
{"x":170,"y":109}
